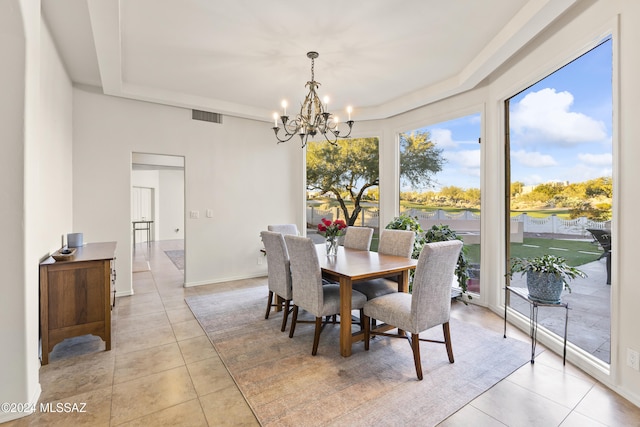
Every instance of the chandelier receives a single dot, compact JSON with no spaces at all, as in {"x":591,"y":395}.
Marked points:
{"x":313,"y":117}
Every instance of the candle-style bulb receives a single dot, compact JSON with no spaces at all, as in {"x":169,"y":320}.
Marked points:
{"x":275,"y":120}
{"x":349,"y":110}
{"x":284,"y":106}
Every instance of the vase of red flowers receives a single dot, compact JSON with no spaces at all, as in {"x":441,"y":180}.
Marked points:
{"x":331,"y":230}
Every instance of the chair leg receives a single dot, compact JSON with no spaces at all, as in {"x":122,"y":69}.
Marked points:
{"x":367,"y":331}
{"x":269,"y":302}
{"x":316,"y":335}
{"x":415,"y":346}
{"x":285,"y":315}
{"x":294,"y":319}
{"x":447,"y":340}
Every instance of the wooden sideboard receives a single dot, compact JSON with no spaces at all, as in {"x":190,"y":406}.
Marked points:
{"x":76,"y":296}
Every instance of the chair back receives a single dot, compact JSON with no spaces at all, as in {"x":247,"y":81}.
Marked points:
{"x":603,"y":237}
{"x":279,"y":273}
{"x":306,"y":276}
{"x":358,"y":238}
{"x":396,"y":242}
{"x":291,"y":229}
{"x":431,"y":296}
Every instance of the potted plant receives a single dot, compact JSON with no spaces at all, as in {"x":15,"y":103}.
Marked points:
{"x":442,"y":233}
{"x":437,"y":233}
{"x":547,"y":276}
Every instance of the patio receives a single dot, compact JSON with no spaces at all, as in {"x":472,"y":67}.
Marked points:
{"x":589,"y":324}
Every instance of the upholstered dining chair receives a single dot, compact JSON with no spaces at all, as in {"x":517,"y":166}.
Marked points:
{"x":291,"y":229}
{"x":279,"y":274}
{"x":392,"y":242}
{"x":308,"y":291}
{"x":358,"y":238}
{"x":427,"y":306}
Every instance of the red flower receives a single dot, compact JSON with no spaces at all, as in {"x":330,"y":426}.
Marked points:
{"x":327,"y":228}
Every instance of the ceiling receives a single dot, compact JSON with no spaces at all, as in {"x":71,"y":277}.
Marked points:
{"x":242,"y":57}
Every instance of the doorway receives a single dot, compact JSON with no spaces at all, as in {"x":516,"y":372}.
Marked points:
{"x":157,"y":211}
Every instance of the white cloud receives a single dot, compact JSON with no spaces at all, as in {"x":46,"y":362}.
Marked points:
{"x":545,"y":117}
{"x":605,"y":159}
{"x":464,"y":158}
{"x":533,"y":159}
{"x":442,"y":138}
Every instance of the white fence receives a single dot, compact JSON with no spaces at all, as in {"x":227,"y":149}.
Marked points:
{"x":368,"y":217}
{"x":551,"y":224}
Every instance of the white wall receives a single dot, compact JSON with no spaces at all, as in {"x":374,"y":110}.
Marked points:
{"x":171,"y":204}
{"x":35,"y":129}
{"x":235,"y":168}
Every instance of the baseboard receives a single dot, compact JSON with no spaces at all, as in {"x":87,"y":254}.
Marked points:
{"x":222,"y":280}
{"x":126,"y":293}
{"x":32,"y":406}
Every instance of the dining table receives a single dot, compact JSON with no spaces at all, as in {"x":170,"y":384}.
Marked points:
{"x":351,"y":265}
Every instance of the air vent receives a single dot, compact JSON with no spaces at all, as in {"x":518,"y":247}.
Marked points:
{"x":206,"y":116}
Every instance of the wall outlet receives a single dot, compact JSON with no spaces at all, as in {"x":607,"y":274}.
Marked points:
{"x":633,"y":359}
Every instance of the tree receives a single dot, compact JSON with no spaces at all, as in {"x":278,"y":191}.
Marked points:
{"x":516,"y":188}
{"x":350,"y":169}
{"x":452,"y":193}
{"x":420,"y":159}
{"x":346,"y":170}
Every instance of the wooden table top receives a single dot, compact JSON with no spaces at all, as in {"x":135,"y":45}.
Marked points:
{"x":362,"y":265}
{"x":89,"y":252}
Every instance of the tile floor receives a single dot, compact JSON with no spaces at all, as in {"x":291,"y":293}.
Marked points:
{"x":162,"y":370}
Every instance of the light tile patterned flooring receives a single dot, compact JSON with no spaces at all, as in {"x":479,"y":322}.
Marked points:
{"x":163,"y":370}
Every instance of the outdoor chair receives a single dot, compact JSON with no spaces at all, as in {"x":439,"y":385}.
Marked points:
{"x":308,"y":291}
{"x":427,"y":306}
{"x":358,"y":238}
{"x":603,"y":238}
{"x":279,"y":274}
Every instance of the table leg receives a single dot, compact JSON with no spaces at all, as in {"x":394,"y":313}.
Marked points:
{"x":403,"y":286}
{"x":403,"y":281}
{"x":345,"y":316}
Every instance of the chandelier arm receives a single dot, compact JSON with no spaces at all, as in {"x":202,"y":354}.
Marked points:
{"x":280,"y":140}
{"x":313,"y":118}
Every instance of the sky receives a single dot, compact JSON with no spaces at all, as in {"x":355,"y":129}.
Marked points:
{"x":560,"y":129}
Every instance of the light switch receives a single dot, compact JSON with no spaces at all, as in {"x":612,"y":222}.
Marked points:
{"x":209,"y":213}
{"x":194,"y":214}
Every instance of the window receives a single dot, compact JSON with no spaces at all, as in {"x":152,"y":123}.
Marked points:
{"x":440,"y":182}
{"x":560,"y":188}
{"x":342,"y":182}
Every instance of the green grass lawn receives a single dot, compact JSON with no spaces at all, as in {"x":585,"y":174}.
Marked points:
{"x":571,"y":250}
